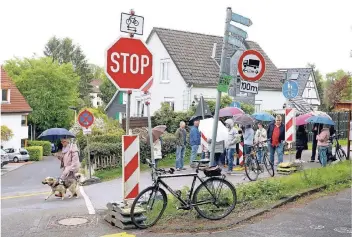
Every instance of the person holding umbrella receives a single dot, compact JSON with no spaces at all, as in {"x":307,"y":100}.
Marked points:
{"x":157,"y":132}
{"x":316,"y":129}
{"x":323,"y":145}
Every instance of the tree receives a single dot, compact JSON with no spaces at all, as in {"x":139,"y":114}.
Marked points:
{"x":6,"y":133}
{"x":337,"y":91}
{"x":49,"y":87}
{"x":107,"y":90}
{"x":64,"y":51}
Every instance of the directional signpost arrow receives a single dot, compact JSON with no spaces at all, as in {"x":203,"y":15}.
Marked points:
{"x":236,"y":42}
{"x":237,"y":31}
{"x":241,"y":19}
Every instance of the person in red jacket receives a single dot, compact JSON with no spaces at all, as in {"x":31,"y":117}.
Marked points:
{"x":276,"y":139}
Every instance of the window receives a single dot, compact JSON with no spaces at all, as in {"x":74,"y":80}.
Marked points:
{"x":164,"y":72}
{"x":24,"y":120}
{"x":257,"y":108}
{"x":23,"y":142}
{"x":5,"y":95}
{"x":138,"y":108}
{"x":170,"y":101}
{"x":98,"y":103}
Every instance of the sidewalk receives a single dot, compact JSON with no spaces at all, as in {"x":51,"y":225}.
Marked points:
{"x":13,"y":166}
{"x":111,"y":191}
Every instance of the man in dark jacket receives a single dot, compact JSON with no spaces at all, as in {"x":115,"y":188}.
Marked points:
{"x":276,"y":139}
{"x":194,"y":141}
{"x":301,"y":141}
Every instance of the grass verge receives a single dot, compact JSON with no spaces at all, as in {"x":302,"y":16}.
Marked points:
{"x":254,"y":195}
{"x":114,"y":173}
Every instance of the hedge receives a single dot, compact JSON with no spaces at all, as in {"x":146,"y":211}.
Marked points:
{"x":45,"y":144}
{"x":105,"y":145}
{"x":35,"y":153}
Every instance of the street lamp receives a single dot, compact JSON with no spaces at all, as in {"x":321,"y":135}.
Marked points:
{"x":74,"y":109}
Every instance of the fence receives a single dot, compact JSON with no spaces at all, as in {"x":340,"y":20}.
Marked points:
{"x":102,"y":162}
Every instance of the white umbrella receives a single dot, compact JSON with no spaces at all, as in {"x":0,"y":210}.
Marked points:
{"x":206,"y":127}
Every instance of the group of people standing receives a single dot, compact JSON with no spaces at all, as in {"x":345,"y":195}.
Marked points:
{"x":273,"y":137}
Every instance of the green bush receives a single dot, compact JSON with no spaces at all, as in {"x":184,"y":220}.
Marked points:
{"x":45,"y":144}
{"x":35,"y":153}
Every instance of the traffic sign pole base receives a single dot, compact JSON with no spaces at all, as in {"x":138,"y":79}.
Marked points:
{"x":118,"y":215}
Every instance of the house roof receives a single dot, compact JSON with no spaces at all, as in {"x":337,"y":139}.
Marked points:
{"x":18,"y":103}
{"x":95,"y":85}
{"x":301,"y":105}
{"x":191,"y":53}
{"x":302,"y":79}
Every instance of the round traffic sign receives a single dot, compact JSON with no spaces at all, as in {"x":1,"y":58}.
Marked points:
{"x":85,"y":119}
{"x":251,"y":65}
{"x":290,"y":89}
{"x":129,"y":64}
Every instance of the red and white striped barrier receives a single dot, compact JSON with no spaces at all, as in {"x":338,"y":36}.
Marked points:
{"x":240,"y":153}
{"x":130,"y":164}
{"x":290,"y":125}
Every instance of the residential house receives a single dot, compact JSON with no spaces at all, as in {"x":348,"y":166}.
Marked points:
{"x":14,"y":112}
{"x":96,"y":100}
{"x":116,"y":109}
{"x":186,"y":65}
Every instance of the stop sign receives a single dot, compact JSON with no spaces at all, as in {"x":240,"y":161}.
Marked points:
{"x":129,"y":64}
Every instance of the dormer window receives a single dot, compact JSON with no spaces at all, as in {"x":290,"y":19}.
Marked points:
{"x":5,"y":95}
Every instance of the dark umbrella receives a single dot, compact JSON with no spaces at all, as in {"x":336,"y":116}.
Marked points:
{"x":243,"y":119}
{"x":157,"y":132}
{"x":53,"y":134}
{"x":202,"y":112}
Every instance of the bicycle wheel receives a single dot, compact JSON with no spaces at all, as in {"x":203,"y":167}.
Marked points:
{"x":268,"y":165}
{"x":151,"y":202}
{"x":251,"y":168}
{"x":341,"y":154}
{"x":215,"y":198}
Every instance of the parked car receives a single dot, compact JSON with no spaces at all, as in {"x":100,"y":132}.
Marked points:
{"x":17,"y":155}
{"x":4,"y":158}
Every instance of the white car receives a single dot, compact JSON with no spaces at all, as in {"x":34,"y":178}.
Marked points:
{"x":4,"y":158}
{"x":17,"y":155}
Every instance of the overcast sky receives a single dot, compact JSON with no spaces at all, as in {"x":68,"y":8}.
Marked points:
{"x":291,"y":32}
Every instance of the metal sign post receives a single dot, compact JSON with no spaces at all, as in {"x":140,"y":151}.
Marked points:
{"x":128,"y":109}
{"x":146,"y":98}
{"x":86,"y":119}
{"x":236,"y":39}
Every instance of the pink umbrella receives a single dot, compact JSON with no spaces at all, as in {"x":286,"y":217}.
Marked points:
{"x":302,"y":119}
{"x":230,"y":111}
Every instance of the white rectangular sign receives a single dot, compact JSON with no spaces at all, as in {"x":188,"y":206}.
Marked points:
{"x":249,"y":87}
{"x":87,"y":131}
{"x":131,"y":24}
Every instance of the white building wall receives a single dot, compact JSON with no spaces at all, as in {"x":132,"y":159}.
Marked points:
{"x":270,"y":100}
{"x":208,"y":93}
{"x":161,"y":91}
{"x":13,"y":122}
{"x":96,"y":100}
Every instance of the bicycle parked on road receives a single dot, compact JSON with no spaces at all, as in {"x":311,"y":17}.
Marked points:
{"x":252,"y":166}
{"x":213,"y":199}
{"x":340,"y":154}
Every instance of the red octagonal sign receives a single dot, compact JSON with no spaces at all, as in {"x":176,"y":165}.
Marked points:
{"x":129,"y":64}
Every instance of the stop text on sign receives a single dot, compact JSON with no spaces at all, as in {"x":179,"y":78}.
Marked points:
{"x":249,"y":87}
{"x":137,"y":64}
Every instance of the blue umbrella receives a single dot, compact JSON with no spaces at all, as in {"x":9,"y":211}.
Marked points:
{"x":53,"y":134}
{"x":321,"y":120}
{"x":263,"y":116}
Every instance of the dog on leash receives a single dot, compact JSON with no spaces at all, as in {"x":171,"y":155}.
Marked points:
{"x":70,"y":184}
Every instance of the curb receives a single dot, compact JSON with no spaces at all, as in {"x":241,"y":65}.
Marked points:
{"x":256,"y":213}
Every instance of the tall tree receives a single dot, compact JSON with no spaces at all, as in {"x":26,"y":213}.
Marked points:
{"x":65,"y":51}
{"x":107,"y":90}
{"x":337,"y":91}
{"x":49,"y":87}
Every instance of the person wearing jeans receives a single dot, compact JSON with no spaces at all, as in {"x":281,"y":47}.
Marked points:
{"x":259,"y":137}
{"x":194,"y":140}
{"x":323,"y":145}
{"x":180,"y":146}
{"x":248,"y":139}
{"x":276,"y":137}
{"x":232,"y":139}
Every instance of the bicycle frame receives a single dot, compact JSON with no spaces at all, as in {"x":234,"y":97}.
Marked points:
{"x":195,"y":176}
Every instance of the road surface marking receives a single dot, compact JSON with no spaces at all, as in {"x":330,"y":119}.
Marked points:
{"x":25,"y":195}
{"x":89,"y":204}
{"x":124,"y":234}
